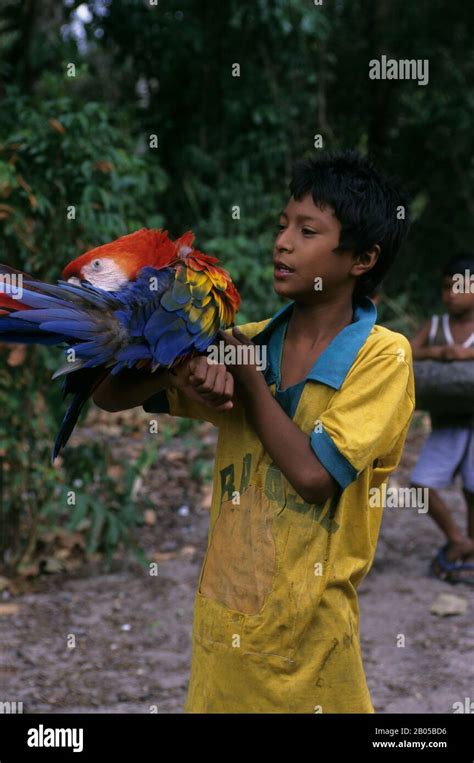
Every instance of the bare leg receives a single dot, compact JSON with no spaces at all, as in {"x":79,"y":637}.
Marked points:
{"x":470,"y":512}
{"x":460,"y":545}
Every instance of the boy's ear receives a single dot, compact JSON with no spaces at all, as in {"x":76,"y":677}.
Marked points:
{"x":365,"y":261}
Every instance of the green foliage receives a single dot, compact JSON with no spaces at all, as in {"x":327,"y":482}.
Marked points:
{"x":69,"y":180}
{"x":106,"y":508}
{"x":29,"y":418}
{"x":225,"y":148}
{"x":56,"y":153}
{"x":303,"y":71}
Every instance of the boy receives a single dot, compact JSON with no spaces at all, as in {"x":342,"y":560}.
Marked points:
{"x":276,"y":622}
{"x":449,"y":448}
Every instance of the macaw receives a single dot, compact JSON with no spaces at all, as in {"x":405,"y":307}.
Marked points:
{"x":140,"y":301}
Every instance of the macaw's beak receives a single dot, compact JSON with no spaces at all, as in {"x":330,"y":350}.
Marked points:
{"x":78,"y":281}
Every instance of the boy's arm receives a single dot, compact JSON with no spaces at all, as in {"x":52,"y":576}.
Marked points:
{"x":364,"y":421}
{"x":129,"y":389}
{"x":420,"y":348}
{"x":132,"y":388}
{"x":286,"y":444}
{"x":422,"y":351}
{"x":458,"y":352}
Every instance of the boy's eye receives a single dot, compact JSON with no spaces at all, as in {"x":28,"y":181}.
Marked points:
{"x":306,"y":231}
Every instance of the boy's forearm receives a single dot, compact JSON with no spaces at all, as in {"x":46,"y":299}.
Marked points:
{"x":285,"y":443}
{"x":441,"y":352}
{"x":427,"y":353}
{"x":128,"y":389}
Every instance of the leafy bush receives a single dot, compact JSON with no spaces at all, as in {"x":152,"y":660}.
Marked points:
{"x":56,"y":154}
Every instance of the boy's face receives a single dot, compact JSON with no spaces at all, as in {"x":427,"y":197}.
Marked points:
{"x":458,"y":302}
{"x":305,"y":243}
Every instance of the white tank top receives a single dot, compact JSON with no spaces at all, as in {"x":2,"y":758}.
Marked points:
{"x":446,"y":331}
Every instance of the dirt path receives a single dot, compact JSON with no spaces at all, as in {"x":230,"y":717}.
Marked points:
{"x":133,"y":630}
{"x":436,"y":666}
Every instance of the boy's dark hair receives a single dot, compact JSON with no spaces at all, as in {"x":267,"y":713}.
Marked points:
{"x":364,"y":201}
{"x":459,"y":264}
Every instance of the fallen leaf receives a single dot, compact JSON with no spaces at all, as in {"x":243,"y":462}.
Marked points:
{"x":149,"y":517}
{"x":51,"y":564}
{"x":448,"y":604}
{"x":188,"y":551}
{"x":206,"y":500}
{"x":163,"y":556}
{"x":63,"y":553}
{"x":174,"y":455}
{"x":115,"y":472}
{"x":30,"y":570}
{"x":9,"y":609}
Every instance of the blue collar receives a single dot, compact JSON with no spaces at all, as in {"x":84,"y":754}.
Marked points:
{"x":333,"y":364}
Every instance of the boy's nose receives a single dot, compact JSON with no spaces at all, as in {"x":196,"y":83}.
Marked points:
{"x":284,"y":243}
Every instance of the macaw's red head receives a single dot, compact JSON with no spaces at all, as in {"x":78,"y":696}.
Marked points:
{"x":112,"y":265}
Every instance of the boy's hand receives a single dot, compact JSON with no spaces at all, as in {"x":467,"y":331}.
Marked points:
{"x":204,"y":382}
{"x":457,"y":352}
{"x":247,"y":375}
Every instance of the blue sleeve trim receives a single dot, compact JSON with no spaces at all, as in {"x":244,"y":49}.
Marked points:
{"x":157,"y":403}
{"x":336,"y":464}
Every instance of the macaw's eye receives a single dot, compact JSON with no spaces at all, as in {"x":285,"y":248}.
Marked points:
{"x":97,"y":265}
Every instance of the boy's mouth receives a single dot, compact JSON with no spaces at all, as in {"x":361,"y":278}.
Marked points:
{"x":282,"y":269}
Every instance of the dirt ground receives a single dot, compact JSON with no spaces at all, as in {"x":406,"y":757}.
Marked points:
{"x":133,"y":630}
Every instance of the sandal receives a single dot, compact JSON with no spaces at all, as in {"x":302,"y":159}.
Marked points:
{"x":457,"y":571}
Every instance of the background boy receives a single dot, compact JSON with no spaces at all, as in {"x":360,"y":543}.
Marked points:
{"x":449,"y":449}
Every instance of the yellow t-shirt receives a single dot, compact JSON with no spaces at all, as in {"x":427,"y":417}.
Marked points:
{"x":276,"y":619}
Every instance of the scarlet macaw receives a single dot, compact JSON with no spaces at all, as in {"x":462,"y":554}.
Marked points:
{"x":142,"y":300}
